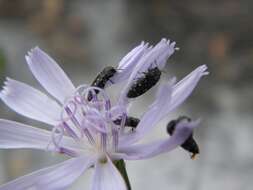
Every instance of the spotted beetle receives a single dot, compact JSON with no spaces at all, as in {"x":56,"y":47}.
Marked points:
{"x":144,"y":83}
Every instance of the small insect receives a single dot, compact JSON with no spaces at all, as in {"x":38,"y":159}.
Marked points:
{"x":102,"y":78}
{"x":144,"y":83}
{"x":130,"y":121}
{"x":190,"y":144}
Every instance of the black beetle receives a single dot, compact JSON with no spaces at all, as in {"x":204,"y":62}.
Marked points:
{"x":190,"y":144}
{"x":130,"y":121}
{"x":102,"y":78}
{"x":144,"y":83}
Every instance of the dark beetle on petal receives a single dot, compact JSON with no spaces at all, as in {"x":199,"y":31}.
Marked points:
{"x":102,"y":78}
{"x":190,"y":144}
{"x":130,"y":121}
{"x":144,"y":83}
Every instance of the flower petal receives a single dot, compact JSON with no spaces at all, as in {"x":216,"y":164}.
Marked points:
{"x":57,"y":177}
{"x":107,"y":177}
{"x":127,"y":64}
{"x":49,"y":74}
{"x":30,"y":102}
{"x":135,"y":152}
{"x":124,"y":62}
{"x":154,"y":57}
{"x":14,"y":135}
{"x":160,"y":105}
{"x":166,"y":101}
{"x":184,"y":88}
{"x":153,"y":115}
{"x":17,"y":135}
{"x":162,"y":59}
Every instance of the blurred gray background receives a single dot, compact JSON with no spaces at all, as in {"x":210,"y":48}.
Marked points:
{"x":85,"y":36}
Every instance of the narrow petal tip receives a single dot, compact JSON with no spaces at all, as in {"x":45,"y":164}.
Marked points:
{"x":172,"y":44}
{"x":163,"y":40}
{"x":6,"y":88}
{"x":33,"y":52}
{"x":172,"y":81}
{"x":203,"y":69}
{"x":36,"y":48}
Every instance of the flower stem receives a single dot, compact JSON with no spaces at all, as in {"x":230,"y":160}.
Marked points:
{"x":121,"y":166}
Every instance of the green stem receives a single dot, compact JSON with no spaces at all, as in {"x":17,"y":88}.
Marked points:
{"x":121,"y":166}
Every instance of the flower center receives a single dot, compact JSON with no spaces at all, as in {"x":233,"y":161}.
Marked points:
{"x":88,"y":118}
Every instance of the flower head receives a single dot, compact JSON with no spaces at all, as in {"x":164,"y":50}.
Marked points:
{"x":84,"y":123}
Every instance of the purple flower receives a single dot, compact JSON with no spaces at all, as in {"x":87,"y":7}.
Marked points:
{"x":85,"y":129}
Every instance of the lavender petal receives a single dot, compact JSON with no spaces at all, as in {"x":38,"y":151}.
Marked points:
{"x":153,"y":115}
{"x":30,"y":102}
{"x":17,"y":135}
{"x":107,"y":177}
{"x":14,"y":135}
{"x":154,"y":57}
{"x":144,"y":151}
{"x":57,"y":177}
{"x":49,"y":74}
{"x":128,"y":63}
{"x":184,"y":88}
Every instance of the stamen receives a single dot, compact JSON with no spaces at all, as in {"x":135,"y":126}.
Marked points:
{"x":72,"y":116}
{"x":80,"y":89}
{"x":87,"y":132}
{"x":67,"y":110}
{"x":116,"y":112}
{"x":92,"y":95}
{"x":122,"y":117}
{"x":98,"y":104}
{"x":102,"y":93}
{"x":56,"y":141}
{"x":107,"y":105}
{"x":96,"y":121}
{"x":69,"y":131}
{"x":80,"y":100}
{"x":115,"y":139}
{"x":123,"y":121}
{"x":92,"y":119}
{"x":89,"y":136}
{"x":103,"y":141}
